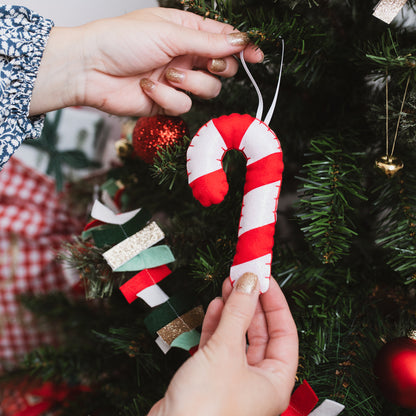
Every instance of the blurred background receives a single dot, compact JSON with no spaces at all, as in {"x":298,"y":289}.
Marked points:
{"x":76,"y":12}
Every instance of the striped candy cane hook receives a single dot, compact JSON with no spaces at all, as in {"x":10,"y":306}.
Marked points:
{"x":208,"y":181}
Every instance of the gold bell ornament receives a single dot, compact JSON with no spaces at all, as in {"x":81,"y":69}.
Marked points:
{"x":389,"y":165}
{"x":123,"y":148}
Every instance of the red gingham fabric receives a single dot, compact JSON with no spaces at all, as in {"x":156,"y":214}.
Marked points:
{"x":17,"y":399}
{"x":33,"y":225}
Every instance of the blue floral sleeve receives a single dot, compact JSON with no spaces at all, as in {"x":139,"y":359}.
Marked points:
{"x":23,"y":37}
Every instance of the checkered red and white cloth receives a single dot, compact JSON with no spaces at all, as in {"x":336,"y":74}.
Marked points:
{"x":33,"y":225}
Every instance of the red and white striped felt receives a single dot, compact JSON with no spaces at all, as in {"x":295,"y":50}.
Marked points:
{"x":208,"y":181}
{"x":33,"y":225}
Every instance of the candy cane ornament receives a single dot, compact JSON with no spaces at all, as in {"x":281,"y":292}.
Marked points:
{"x":208,"y":181}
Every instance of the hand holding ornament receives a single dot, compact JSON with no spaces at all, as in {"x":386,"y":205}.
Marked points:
{"x":225,"y":377}
{"x":141,"y":63}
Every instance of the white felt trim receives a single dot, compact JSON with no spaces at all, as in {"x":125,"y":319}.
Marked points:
{"x":259,"y":266}
{"x":259,"y":207}
{"x":258,"y":142}
{"x":205,"y":153}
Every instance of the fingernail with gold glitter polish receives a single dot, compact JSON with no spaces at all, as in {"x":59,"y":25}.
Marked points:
{"x":217,"y":65}
{"x":147,"y":84}
{"x":238,"y":39}
{"x":247,"y":283}
{"x":175,"y":75}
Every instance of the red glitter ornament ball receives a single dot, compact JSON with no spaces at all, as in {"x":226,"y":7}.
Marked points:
{"x":153,"y":133}
{"x":395,"y":369}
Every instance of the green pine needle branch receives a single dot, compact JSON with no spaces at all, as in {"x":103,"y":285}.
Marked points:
{"x":331,"y":188}
{"x":395,"y":207}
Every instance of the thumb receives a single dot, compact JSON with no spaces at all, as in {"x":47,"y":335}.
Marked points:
{"x":239,"y":310}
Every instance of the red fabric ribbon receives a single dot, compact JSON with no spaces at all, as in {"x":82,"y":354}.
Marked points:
{"x":118,"y":196}
{"x":49,"y":395}
{"x":92,"y":224}
{"x":302,"y":402}
{"x":142,"y":280}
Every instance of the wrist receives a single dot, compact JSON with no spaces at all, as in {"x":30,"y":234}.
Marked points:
{"x":60,"y":79}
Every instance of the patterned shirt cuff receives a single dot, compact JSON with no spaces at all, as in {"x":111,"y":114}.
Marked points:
{"x":23,"y":35}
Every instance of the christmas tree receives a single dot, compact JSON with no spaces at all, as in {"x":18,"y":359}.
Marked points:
{"x":345,"y":240}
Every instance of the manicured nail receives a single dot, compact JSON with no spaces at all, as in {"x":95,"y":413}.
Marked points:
{"x":260,"y":56}
{"x":217,"y":65}
{"x":238,"y":39}
{"x":147,"y":84}
{"x":247,"y":283}
{"x":174,"y":75}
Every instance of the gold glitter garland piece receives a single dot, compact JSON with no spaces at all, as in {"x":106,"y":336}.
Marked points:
{"x":132,"y":246}
{"x":387,"y":10}
{"x":184,"y":323}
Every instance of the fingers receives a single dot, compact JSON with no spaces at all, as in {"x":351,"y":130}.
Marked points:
{"x":238,"y":311}
{"x":156,"y":408}
{"x":211,"y":320}
{"x":173,"y":102}
{"x":253,"y":54}
{"x":210,"y":38}
{"x":281,"y":354}
{"x":272,"y":334}
{"x":283,"y":342}
{"x":198,"y":83}
{"x":225,"y":67}
{"x":258,"y":337}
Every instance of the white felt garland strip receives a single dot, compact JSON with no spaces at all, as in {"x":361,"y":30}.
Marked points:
{"x":109,"y":202}
{"x":164,"y":346}
{"x":328,"y":408}
{"x":153,"y":296}
{"x":102,"y":213}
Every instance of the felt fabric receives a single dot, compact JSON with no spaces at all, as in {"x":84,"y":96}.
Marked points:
{"x":102,"y":213}
{"x":114,"y":234}
{"x":168,"y":311}
{"x":328,"y":408}
{"x":387,"y":10}
{"x":165,"y":347}
{"x":184,"y":323}
{"x":208,"y":181}
{"x":121,"y":253}
{"x":187,"y":341}
{"x":153,"y":296}
{"x":263,"y":172}
{"x":302,"y":401}
{"x":142,"y":280}
{"x":148,"y":259}
{"x":233,"y":128}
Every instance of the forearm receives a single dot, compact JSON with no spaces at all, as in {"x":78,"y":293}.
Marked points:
{"x":59,"y":80}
